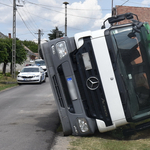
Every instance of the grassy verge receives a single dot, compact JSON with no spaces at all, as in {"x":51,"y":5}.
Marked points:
{"x":7,"y":81}
{"x":106,"y":141}
{"x":5,"y":86}
{"x":113,"y":140}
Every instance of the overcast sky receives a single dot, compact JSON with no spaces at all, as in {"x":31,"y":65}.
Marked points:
{"x":45,"y":15}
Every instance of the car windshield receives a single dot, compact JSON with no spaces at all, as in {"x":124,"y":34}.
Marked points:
{"x":40,"y":63}
{"x":30,"y":70}
{"x":133,"y":57}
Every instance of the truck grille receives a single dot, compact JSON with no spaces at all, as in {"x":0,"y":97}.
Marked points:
{"x":65,"y":89}
{"x":94,"y":101}
{"x":58,"y":91}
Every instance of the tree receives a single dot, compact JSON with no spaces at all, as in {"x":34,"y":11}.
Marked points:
{"x":55,"y":33}
{"x":6,"y":47}
{"x":21,"y":54}
{"x":3,"y":50}
{"x":31,"y":45}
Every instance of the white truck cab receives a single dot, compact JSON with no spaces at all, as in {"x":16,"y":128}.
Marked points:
{"x":101,"y":79}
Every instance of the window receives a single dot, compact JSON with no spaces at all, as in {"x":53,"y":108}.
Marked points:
{"x":30,"y":70}
{"x":133,"y":60}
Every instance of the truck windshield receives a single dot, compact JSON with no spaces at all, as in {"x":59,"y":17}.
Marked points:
{"x":133,"y":57}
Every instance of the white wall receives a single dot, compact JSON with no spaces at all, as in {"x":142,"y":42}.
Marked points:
{"x":18,"y":67}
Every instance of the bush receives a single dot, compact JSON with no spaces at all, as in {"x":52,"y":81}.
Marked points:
{"x":7,"y":77}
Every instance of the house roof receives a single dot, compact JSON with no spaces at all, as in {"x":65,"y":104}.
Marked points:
{"x":27,"y":49}
{"x":30,"y":52}
{"x":3,"y":36}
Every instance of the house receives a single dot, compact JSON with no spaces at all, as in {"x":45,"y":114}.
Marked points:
{"x":2,"y":36}
{"x":30,"y":55}
{"x":143,"y":13}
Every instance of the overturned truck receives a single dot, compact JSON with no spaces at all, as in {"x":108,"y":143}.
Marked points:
{"x":101,"y":79}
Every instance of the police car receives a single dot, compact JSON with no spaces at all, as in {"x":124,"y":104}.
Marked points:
{"x":31,"y":74}
{"x":41,"y":63}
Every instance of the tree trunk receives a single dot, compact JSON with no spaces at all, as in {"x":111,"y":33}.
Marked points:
{"x":4,"y":68}
{"x":10,"y":68}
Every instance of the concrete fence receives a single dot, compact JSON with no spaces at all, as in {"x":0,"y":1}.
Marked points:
{"x":18,"y":67}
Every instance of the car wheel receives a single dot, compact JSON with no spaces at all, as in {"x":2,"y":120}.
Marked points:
{"x":40,"y":80}
{"x":44,"y":79}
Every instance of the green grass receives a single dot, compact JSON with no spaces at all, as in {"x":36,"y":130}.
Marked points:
{"x":106,"y":141}
{"x":7,"y":81}
{"x":6,"y":86}
{"x":7,"y":78}
{"x":113,"y":140}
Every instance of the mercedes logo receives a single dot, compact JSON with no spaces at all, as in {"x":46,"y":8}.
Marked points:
{"x":92,"y":83}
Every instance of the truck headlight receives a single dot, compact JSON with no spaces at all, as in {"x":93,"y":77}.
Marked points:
{"x":53,"y":49}
{"x":61,"y":49}
{"x":83,"y":124}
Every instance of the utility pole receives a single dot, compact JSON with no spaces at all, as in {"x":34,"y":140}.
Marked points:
{"x":65,"y":17}
{"x":57,"y":34}
{"x":39,"y":42}
{"x":13,"y":68}
{"x":14,"y":41}
{"x":112,"y":8}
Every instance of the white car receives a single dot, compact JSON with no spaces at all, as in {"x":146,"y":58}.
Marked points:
{"x":41,"y":63}
{"x":31,"y":74}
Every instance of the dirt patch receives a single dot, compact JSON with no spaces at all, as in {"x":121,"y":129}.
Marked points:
{"x":61,"y":142}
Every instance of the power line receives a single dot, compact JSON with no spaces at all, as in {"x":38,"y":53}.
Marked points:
{"x":67,"y":8}
{"x":31,"y":17}
{"x":5,"y":4}
{"x":26,"y":24}
{"x":29,"y":22}
{"x":124,"y":2}
{"x":40,"y":17}
{"x":61,"y":12}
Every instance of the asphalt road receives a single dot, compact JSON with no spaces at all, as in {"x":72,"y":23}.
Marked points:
{"x":28,"y":117}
